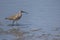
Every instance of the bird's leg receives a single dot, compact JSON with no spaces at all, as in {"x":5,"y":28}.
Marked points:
{"x":13,"y":22}
{"x":16,"y":22}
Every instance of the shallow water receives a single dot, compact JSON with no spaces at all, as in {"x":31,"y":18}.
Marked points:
{"x":41,"y":23}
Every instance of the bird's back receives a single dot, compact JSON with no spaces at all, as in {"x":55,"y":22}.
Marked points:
{"x":15,"y":17}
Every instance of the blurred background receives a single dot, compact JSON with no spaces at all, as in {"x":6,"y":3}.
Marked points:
{"x":42,"y":22}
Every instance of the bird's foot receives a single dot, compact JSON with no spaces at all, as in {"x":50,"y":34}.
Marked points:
{"x":17,"y":24}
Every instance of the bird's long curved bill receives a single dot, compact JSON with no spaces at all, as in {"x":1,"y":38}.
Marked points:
{"x":25,"y":12}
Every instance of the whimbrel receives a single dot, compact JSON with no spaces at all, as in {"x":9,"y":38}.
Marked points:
{"x":16,"y":17}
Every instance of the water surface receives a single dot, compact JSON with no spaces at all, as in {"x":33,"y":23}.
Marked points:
{"x":42,"y":22}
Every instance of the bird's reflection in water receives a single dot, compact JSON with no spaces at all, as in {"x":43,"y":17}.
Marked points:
{"x":16,"y":32}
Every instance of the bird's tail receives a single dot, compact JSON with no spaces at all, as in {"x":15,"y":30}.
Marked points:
{"x":6,"y":18}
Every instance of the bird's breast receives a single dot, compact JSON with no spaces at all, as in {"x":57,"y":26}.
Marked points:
{"x":18,"y":17}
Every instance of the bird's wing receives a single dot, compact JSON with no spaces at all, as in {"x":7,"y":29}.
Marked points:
{"x":11,"y":17}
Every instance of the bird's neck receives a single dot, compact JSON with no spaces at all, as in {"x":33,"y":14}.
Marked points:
{"x":19,"y":12}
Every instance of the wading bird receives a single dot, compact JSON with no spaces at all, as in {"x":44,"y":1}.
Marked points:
{"x":15,"y":17}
